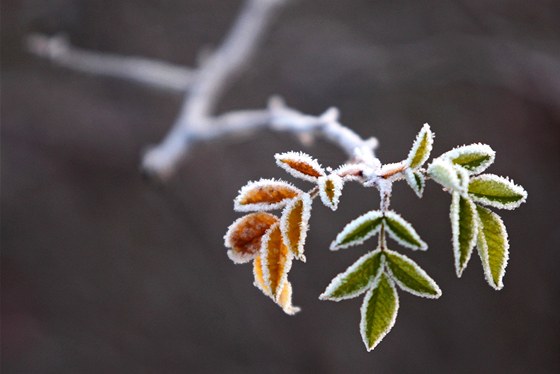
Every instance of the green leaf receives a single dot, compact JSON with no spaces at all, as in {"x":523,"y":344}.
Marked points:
{"x":495,"y":191}
{"x":421,"y":148}
{"x":359,"y":230}
{"x":411,"y":277}
{"x":474,"y":157}
{"x":448,"y":175}
{"x":464,"y":228}
{"x":493,"y":246}
{"x":416,"y":181}
{"x":356,"y":279}
{"x":403,"y":232}
{"x":379,"y":311}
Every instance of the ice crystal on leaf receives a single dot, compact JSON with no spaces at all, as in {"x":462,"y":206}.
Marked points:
{"x":265,"y":194}
{"x":300,"y":165}
{"x":273,"y":242}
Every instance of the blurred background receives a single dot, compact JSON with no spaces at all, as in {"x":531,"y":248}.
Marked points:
{"x":105,"y":273}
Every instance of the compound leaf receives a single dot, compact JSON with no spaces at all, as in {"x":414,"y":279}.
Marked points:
{"x":411,"y":277}
{"x":356,"y":279}
{"x":378,"y":311}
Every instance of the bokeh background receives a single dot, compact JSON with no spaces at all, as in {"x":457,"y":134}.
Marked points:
{"x":105,"y":273}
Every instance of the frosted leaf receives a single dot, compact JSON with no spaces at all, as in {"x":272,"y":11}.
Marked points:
{"x":474,"y":157}
{"x":350,"y":172}
{"x":358,"y":230}
{"x":410,"y":277}
{"x":330,"y":189}
{"x":356,"y":279}
{"x":265,"y":194}
{"x":276,"y":260}
{"x":378,"y":311}
{"x":259,"y":276}
{"x":464,"y":228}
{"x":421,"y":148}
{"x":294,"y":224}
{"x":244,"y":236}
{"x":495,"y":191}
{"x":493,"y":246}
{"x":403,"y":232}
{"x":416,"y":181}
{"x":445,"y":173}
{"x":300,"y":165}
{"x":285,"y":299}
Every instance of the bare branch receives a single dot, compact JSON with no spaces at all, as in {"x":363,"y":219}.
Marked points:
{"x":157,"y":74}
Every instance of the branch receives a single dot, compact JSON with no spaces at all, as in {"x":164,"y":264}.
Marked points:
{"x":156,"y":74}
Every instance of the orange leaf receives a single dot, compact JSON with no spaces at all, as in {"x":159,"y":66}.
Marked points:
{"x":285,"y":299}
{"x":276,"y":260}
{"x":300,"y":165}
{"x":330,"y":189}
{"x":244,"y":236}
{"x":265,"y":194}
{"x":294,"y":224}
{"x":259,"y":277}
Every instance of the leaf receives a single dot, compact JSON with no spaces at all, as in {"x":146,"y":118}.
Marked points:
{"x":493,"y":246}
{"x":411,"y":277}
{"x":244,"y":236}
{"x":294,"y":224}
{"x":474,"y":157}
{"x":259,"y":276}
{"x":358,"y":230}
{"x":265,"y":194}
{"x":379,"y":311}
{"x":495,"y":191}
{"x":276,"y":260}
{"x":300,"y":165}
{"x":464,"y":228}
{"x":403,"y":232}
{"x":356,"y":279}
{"x":445,"y":173}
{"x":285,"y":299}
{"x":330,"y":189}
{"x":421,"y":148}
{"x":416,"y":181}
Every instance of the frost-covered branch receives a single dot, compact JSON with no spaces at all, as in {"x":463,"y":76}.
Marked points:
{"x":158,"y":74}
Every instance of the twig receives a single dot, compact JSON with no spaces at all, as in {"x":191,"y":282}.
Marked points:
{"x":157,"y":74}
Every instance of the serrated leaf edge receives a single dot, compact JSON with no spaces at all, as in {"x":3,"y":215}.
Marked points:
{"x":455,"y":223}
{"x":510,"y":183}
{"x":472,"y":148}
{"x":237,"y":206}
{"x":410,"y":177}
{"x":390,"y":214}
{"x":363,"y":310}
{"x":299,"y":157}
{"x":424,"y":131}
{"x":338,"y":184}
{"x":264,"y":261}
{"x":337,"y":280}
{"x":421,"y":271}
{"x":306,"y":214}
{"x":352,"y":225}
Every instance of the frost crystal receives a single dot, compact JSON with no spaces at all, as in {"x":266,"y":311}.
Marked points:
{"x":265,"y":194}
{"x":300,"y":165}
{"x":330,"y":189}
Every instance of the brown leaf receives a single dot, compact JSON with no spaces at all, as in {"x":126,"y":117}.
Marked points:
{"x":285,"y":299}
{"x":244,"y":236}
{"x":300,"y":165}
{"x":330,"y":189}
{"x":276,"y":260}
{"x":294,"y":224}
{"x":265,"y":194}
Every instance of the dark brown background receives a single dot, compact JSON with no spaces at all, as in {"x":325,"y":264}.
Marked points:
{"x":103,"y":273}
